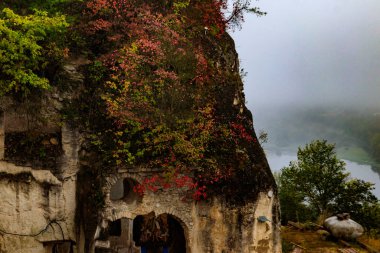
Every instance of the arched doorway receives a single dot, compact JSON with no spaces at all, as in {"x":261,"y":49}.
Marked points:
{"x":159,"y":234}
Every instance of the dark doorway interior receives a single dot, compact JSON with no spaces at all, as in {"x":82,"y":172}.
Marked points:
{"x":115,"y":228}
{"x":123,"y":190}
{"x":155,"y":233}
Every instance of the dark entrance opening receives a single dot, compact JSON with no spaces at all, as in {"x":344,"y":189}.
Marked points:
{"x":159,"y":234}
{"x":115,"y":228}
{"x":117,"y":238}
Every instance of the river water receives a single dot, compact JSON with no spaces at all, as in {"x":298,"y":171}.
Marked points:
{"x":361,"y":171}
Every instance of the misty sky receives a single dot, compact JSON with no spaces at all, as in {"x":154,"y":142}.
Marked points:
{"x":311,"y":52}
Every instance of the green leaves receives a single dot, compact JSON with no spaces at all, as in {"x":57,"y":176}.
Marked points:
{"x":180,"y":5}
{"x":26,"y":48}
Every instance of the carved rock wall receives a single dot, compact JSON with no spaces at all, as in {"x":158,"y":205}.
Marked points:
{"x":37,"y":208}
{"x":209,"y":226}
{"x":38,"y":205}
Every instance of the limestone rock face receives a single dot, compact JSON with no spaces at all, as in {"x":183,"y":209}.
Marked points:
{"x":37,"y":176}
{"x":37,"y":209}
{"x":210,"y":226}
{"x":341,"y":226}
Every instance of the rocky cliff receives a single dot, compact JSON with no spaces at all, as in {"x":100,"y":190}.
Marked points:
{"x":142,"y":142}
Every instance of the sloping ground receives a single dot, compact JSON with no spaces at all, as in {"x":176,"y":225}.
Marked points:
{"x":316,"y":241}
{"x":371,"y":242}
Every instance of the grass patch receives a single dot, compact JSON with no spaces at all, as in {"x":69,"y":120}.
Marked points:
{"x":372,"y":242}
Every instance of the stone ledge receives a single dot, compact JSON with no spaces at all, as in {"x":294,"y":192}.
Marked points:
{"x":41,"y":176}
{"x":102,"y":244}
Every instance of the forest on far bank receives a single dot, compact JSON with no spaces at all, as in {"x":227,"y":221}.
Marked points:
{"x":356,"y":131}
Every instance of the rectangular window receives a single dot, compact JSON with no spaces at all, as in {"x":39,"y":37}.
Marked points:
{"x":33,"y":149}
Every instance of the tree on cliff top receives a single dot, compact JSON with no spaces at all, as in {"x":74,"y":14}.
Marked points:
{"x":318,"y":181}
{"x":239,"y":8}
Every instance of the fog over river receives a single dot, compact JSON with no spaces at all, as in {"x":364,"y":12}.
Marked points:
{"x":361,"y":171}
{"x":307,"y":54}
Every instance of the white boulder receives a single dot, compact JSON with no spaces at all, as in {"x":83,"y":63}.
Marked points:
{"x":342,"y":227}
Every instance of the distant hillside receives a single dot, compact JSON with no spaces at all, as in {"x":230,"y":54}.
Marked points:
{"x":356,"y":132}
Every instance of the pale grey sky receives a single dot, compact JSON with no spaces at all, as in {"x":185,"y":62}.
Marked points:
{"x":311,"y":52}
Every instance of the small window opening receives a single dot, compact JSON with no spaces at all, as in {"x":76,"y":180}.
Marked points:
{"x":114,"y":228}
{"x":123,"y":190}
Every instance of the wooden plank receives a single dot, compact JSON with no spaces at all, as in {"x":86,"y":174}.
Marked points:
{"x":348,"y":250}
{"x":299,"y":246}
{"x":344,"y":243}
{"x":318,"y":226}
{"x":296,"y":225}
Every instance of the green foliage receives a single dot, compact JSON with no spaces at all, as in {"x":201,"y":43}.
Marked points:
{"x":27,"y":47}
{"x":318,"y":183}
{"x":317,"y":176}
{"x":370,"y":218}
{"x":180,"y":5}
{"x":27,"y":6}
{"x":354,"y":196}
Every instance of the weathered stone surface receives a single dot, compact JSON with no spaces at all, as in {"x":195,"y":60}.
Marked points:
{"x":36,"y":114}
{"x":38,"y":206}
{"x":34,"y":211}
{"x":41,"y":176}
